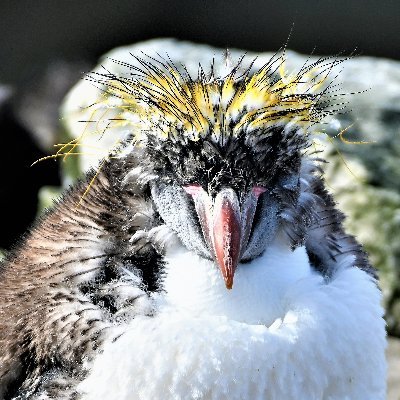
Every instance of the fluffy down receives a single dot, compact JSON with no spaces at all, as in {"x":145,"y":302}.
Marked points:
{"x":325,"y":343}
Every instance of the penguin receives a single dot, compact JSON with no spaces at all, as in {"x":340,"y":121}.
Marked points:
{"x":203,"y":259}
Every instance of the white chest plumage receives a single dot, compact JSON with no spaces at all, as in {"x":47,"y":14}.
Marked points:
{"x":194,"y":285}
{"x":280,"y":333}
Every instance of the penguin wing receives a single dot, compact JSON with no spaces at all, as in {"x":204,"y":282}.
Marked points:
{"x":74,"y":280}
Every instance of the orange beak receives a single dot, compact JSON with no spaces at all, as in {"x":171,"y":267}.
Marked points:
{"x":226,"y":225}
{"x":226,"y":236}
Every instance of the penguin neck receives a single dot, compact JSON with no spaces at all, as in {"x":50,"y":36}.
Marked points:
{"x":194,"y":284}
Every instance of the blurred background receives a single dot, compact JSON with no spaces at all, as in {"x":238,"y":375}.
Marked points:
{"x":46,"y":46}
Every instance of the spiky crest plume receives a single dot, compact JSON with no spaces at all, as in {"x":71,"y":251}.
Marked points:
{"x":159,"y":98}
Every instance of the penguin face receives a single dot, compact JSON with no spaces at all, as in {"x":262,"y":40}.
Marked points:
{"x":224,"y":201}
{"x":225,"y":151}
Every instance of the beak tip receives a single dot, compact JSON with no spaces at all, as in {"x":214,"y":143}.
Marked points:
{"x":229,"y":284}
